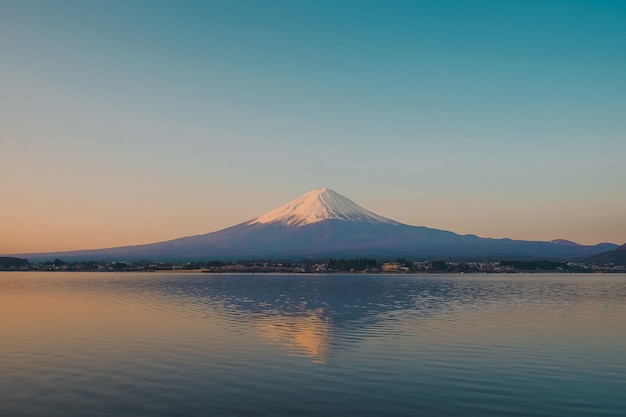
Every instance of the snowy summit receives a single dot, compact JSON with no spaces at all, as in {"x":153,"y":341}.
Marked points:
{"x":319,"y":205}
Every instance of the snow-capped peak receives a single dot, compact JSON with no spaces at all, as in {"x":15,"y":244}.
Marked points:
{"x":318,"y":205}
{"x":564,"y":242}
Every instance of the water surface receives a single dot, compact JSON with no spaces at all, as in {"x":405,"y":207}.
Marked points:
{"x":158,"y":344}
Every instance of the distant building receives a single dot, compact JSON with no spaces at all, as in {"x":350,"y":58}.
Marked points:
{"x":394,"y":267}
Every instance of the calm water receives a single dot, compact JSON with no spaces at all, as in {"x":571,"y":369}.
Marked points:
{"x":127,"y":344}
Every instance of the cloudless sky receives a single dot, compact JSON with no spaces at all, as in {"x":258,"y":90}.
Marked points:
{"x":129,"y":122}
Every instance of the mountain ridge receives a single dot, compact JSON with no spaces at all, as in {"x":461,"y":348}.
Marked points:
{"x":615,"y":257}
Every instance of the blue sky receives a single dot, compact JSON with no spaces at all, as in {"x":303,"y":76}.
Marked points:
{"x":125,"y":122}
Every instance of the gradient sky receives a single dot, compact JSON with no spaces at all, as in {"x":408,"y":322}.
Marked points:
{"x":129,"y":122}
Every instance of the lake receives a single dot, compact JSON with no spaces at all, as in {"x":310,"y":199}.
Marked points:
{"x":177,"y":344}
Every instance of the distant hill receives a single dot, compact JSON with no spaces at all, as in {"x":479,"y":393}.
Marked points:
{"x":7,"y":263}
{"x":615,"y":257}
{"x":323,"y":224}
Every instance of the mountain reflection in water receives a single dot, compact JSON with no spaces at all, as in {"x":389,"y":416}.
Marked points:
{"x":307,"y":333}
{"x":313,"y":315}
{"x":319,"y":315}
{"x":310,"y":315}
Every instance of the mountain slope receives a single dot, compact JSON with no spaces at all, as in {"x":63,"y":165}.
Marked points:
{"x":323,"y":223}
{"x":615,"y":257}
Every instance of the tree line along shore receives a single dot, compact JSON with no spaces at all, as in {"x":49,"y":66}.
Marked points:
{"x":331,"y":265}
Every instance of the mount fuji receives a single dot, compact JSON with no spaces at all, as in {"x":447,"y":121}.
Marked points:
{"x":323,"y":223}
